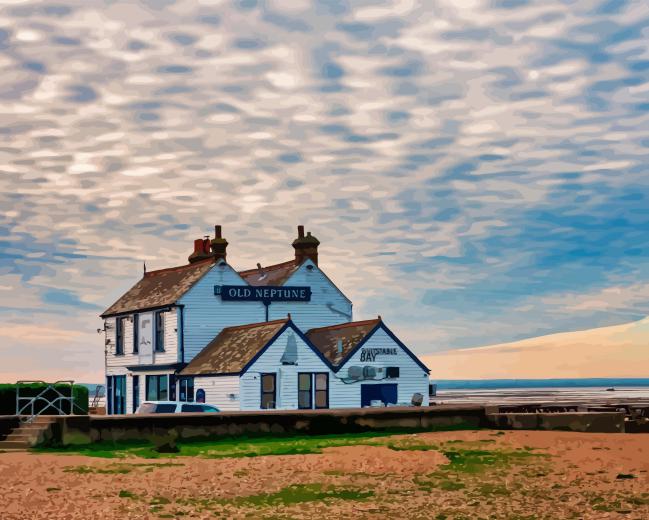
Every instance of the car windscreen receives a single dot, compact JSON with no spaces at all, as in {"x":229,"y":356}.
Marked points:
{"x":208,"y":408}
{"x":165,"y":408}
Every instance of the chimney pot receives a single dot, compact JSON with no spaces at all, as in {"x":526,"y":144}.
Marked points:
{"x":218,"y":244}
{"x":305,"y":246}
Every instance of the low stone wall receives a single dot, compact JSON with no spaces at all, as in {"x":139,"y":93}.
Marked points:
{"x":7,"y":423}
{"x":86,"y":429}
{"x":79,"y":429}
{"x":594,"y":422}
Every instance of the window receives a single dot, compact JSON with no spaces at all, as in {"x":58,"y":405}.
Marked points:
{"x":199,"y":408}
{"x":119,"y":336}
{"x":304,"y":391}
{"x":136,"y":332}
{"x":186,"y":389}
{"x":159,"y":331}
{"x":192,"y":408}
{"x":321,"y":390}
{"x":392,"y":372}
{"x":136,"y":392}
{"x":313,"y":390}
{"x":116,"y":394}
{"x":157,"y":388}
{"x":165,"y":408}
{"x":172,"y":387}
{"x":267,"y":391}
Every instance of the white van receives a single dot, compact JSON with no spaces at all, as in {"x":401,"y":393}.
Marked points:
{"x":149,"y":407}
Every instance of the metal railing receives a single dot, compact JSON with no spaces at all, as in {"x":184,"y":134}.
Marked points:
{"x":50,"y":399}
{"x":98,"y":397}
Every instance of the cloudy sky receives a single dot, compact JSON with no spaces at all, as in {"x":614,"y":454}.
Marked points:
{"x":475,"y":170}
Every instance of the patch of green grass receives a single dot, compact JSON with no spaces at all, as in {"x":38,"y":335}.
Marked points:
{"x":438,"y":480}
{"x":411,"y":447}
{"x":124,"y":493}
{"x":489,"y":489}
{"x":474,"y":461}
{"x":294,"y":494}
{"x":300,"y":493}
{"x":242,"y":446}
{"x":119,"y":468}
{"x":89,"y":469}
{"x":230,"y":447}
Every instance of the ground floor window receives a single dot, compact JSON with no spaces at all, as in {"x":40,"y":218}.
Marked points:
{"x":186,"y":389}
{"x":116,"y":394}
{"x":321,"y":392}
{"x":136,"y":393}
{"x":312,"y":390}
{"x":157,"y":388}
{"x":268,"y":391}
{"x":304,"y":389}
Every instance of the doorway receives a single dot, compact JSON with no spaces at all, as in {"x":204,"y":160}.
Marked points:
{"x":116,"y":394}
{"x":386,"y":393}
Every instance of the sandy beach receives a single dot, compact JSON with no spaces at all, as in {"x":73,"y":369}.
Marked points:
{"x":450,"y":475}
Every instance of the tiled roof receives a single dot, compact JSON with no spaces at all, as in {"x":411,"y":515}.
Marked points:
{"x":159,"y":288}
{"x":233,"y":348}
{"x":325,"y":339}
{"x":270,"y":275}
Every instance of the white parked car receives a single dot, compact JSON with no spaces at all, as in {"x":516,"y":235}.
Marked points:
{"x":148,"y":407}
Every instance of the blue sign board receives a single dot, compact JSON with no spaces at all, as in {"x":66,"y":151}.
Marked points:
{"x":266,"y":294}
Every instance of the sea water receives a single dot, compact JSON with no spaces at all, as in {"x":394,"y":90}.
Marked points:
{"x":486,"y":384}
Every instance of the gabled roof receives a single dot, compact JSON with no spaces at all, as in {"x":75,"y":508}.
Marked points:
{"x":325,"y":339}
{"x":353,"y":336}
{"x":160,"y":288}
{"x":234,"y":348}
{"x":275,"y":274}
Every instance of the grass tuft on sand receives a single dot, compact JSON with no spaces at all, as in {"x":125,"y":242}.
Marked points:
{"x":117,"y":468}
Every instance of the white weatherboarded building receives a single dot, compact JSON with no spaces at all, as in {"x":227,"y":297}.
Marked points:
{"x":274,"y":365}
{"x":159,"y":330}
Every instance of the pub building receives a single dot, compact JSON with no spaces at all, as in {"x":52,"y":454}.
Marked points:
{"x":279,"y":336}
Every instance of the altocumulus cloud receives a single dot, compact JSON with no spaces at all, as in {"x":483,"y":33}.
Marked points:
{"x":476,"y":171}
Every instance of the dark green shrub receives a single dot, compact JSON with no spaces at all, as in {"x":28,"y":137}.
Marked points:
{"x":8,"y":398}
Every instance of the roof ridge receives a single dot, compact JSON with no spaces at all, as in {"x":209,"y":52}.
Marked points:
{"x":348,"y":324}
{"x":258,"y":324}
{"x":267,"y":267}
{"x":166,"y":269}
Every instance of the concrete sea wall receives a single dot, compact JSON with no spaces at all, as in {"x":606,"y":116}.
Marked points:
{"x":79,"y":429}
{"x":86,"y":429}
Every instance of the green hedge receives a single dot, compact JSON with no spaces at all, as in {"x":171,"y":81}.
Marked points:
{"x":8,"y":398}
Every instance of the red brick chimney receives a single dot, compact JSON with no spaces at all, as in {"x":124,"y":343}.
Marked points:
{"x":201,"y":250}
{"x":305,"y":246}
{"x":219,"y":244}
